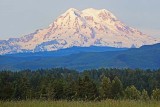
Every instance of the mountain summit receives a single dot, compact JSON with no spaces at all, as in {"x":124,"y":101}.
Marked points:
{"x":86,"y":28}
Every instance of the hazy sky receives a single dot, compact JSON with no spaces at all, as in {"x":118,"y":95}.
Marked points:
{"x":20,"y":17}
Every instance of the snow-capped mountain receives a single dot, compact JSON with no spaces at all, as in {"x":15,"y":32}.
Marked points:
{"x":86,"y":28}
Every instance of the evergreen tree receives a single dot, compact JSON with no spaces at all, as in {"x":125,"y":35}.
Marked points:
{"x":22,"y":89}
{"x":132,"y":93}
{"x":43,"y":93}
{"x":117,"y":88}
{"x":70,"y":90}
{"x":58,"y":87}
{"x":6,"y":86}
{"x":106,"y":88}
{"x":144,"y":95}
{"x":87,"y":89}
{"x":90,"y":89}
{"x":80,"y":89}
{"x":156,"y":94}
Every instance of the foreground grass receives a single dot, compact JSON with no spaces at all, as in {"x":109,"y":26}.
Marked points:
{"x":108,"y":103}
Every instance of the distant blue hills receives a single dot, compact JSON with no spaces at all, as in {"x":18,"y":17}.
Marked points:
{"x":81,"y":58}
{"x":68,"y":51}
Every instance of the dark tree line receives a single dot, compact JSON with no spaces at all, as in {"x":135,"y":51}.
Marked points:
{"x":65,"y":84}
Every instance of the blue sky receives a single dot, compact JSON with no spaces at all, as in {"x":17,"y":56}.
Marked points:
{"x":20,"y":17}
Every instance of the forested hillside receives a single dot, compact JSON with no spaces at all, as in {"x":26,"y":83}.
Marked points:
{"x":146,"y":57}
{"x":65,"y":84}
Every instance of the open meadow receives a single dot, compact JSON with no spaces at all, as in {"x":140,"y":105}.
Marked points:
{"x":107,"y":103}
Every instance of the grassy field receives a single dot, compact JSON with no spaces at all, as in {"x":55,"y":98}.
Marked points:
{"x":108,"y":103}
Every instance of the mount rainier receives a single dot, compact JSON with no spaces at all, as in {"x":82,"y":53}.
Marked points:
{"x":86,"y":28}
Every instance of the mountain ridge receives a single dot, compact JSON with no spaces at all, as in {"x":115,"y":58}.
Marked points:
{"x":86,"y":28}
